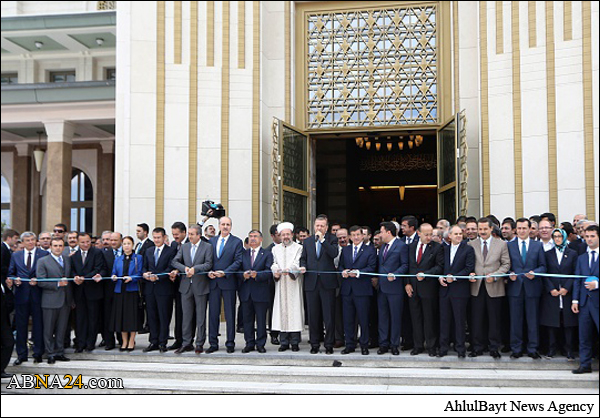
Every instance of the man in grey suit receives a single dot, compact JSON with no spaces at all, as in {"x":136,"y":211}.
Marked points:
{"x":491,"y":258}
{"x":195,"y":259}
{"x":57,"y":299}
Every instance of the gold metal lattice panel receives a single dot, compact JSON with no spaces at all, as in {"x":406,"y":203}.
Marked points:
{"x":372,"y":67}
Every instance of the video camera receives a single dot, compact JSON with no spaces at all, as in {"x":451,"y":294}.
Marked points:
{"x":216,"y":209}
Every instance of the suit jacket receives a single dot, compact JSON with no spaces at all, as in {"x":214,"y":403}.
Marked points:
{"x":94,"y":264}
{"x":177,"y":246}
{"x":8,"y":305}
{"x":6,"y":256}
{"x":463,"y":265}
{"x":550,"y":305}
{"x":18,"y":268}
{"x":136,"y":266}
{"x":536,"y":262}
{"x":497,"y":262}
{"x":202,"y":264}
{"x":405,"y":238}
{"x":580,"y":292}
{"x":163,"y":286}
{"x":431,"y":263}
{"x":257,"y":288}
{"x":579,"y":246}
{"x":396,"y":262}
{"x":230,"y":261}
{"x":366,"y":262}
{"x":145,"y":247}
{"x":54,"y":296}
{"x":324,"y":263}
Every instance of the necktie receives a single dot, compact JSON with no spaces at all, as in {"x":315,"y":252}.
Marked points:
{"x":61,"y":262}
{"x":355,"y":253}
{"x":594,"y":259}
{"x":408,"y":240}
{"x":156,"y":256}
{"x":385,"y":251}
{"x":420,"y":255}
{"x":524,"y":252}
{"x":116,"y":253}
{"x":318,"y":248}
{"x":193,"y":253}
{"x":138,"y":247}
{"x":485,"y":250}
{"x":252,"y":259}
{"x":221,"y":248}
{"x":29,"y":263}
{"x":83,"y":256}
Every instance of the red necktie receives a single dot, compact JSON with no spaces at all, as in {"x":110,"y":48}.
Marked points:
{"x":420,"y":256}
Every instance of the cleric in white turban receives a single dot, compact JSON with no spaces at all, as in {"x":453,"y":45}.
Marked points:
{"x":288,"y":309}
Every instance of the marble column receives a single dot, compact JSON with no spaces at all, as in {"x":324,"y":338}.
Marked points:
{"x":21,"y":202}
{"x":106,"y":187}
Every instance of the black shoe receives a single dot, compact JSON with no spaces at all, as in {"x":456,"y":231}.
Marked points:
{"x":247,"y":350}
{"x":408,"y":347}
{"x":462,"y":355}
{"x":20,"y":361}
{"x":163,"y":349}
{"x":516,"y":356}
{"x":417,"y":351}
{"x":199,"y":350}
{"x":442,"y":354}
{"x":239,"y":330}
{"x":295,"y":348}
{"x":151,"y":348}
{"x":283,"y":348}
{"x":582,"y":370}
{"x":230,"y":350}
{"x":79,"y":350}
{"x":123,"y":349}
{"x":432,"y":353}
{"x":102,"y":344}
{"x":495,"y":355}
{"x":551,"y":354}
{"x":90,"y":349}
{"x":570,"y":356}
{"x":475,"y":353}
{"x":109,"y":348}
{"x":395,"y":351}
{"x":62,"y":359}
{"x":347,"y":351}
{"x":261,"y":350}
{"x":37,"y":360}
{"x":185,"y":349}
{"x":212,"y":350}
{"x":382,"y":351}
{"x":7,"y":376}
{"x":177,"y":346}
{"x":314,"y":350}
{"x":505,"y":350}
{"x":51,"y":360}
{"x":534,"y":356}
{"x":365,"y":351}
{"x":329,"y":351}
{"x":275,"y":341}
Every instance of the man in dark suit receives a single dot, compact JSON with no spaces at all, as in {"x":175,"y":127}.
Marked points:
{"x":228,"y":251}
{"x":524,"y":289}
{"x":179,"y":232}
{"x":194,"y":259}
{"x":426,"y":257}
{"x":393,"y":260}
{"x":88,"y":268}
{"x":274,"y":334}
{"x":255,"y":294}
{"x":9,"y":239}
{"x":142,"y":231}
{"x":8,"y":341}
{"x":28,"y":298}
{"x":158,"y":290}
{"x":459,"y":260}
{"x":409,"y":227}
{"x":579,"y":246}
{"x":110,"y":255}
{"x":318,"y":255}
{"x":356,"y":260}
{"x":586,"y":299}
{"x":57,"y":299}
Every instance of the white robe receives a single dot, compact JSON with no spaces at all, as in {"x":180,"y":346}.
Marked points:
{"x":288,"y":309}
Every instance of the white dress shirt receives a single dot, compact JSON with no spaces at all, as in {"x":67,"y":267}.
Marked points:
{"x":550,"y":245}
{"x":411,"y":239}
{"x":26,"y":254}
{"x":488,"y":241}
{"x":527,"y":241}
{"x":453,"y":251}
{"x":418,"y":247}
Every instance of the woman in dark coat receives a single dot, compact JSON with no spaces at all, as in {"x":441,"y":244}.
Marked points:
{"x":558,"y":295}
{"x":127,"y":315}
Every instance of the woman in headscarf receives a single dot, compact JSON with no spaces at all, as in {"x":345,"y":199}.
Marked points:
{"x":556,"y":313}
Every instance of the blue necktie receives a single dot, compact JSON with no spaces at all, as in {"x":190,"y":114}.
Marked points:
{"x":221,"y":248}
{"x":594,"y":259}
{"x":355,"y":253}
{"x":61,"y":262}
{"x":318,"y":248}
{"x":193,"y":254}
{"x":156,"y":256}
{"x":524,"y":252}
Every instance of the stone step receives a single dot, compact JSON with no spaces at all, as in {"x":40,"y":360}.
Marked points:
{"x":199,"y":387}
{"x":304,"y":359}
{"x":485,"y":378}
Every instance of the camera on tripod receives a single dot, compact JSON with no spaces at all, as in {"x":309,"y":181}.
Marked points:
{"x":212,"y":209}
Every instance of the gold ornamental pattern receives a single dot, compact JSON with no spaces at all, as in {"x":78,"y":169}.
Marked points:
{"x":372,"y":67}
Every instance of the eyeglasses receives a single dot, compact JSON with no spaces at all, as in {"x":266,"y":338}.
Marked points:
{"x":545,"y":229}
